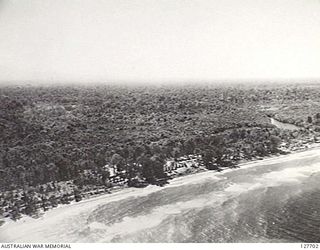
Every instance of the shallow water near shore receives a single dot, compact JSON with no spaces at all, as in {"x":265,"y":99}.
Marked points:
{"x":274,"y":200}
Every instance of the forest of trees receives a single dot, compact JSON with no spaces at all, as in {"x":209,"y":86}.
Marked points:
{"x":54,"y":135}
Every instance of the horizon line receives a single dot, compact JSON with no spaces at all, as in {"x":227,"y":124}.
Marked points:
{"x":217,"y":82}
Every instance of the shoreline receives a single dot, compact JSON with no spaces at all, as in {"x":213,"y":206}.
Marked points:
{"x":313,"y":146}
{"x":126,"y":192}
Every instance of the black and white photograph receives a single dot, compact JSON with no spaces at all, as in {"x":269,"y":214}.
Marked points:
{"x":159,"y":121}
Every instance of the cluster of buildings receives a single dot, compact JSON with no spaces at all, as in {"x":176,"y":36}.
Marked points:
{"x":190,"y":161}
{"x":115,"y":176}
{"x":171,"y":166}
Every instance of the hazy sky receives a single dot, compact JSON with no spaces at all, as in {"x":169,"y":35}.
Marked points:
{"x":158,"y":40}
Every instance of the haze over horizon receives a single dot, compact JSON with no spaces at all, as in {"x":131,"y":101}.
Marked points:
{"x":56,"y":41}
